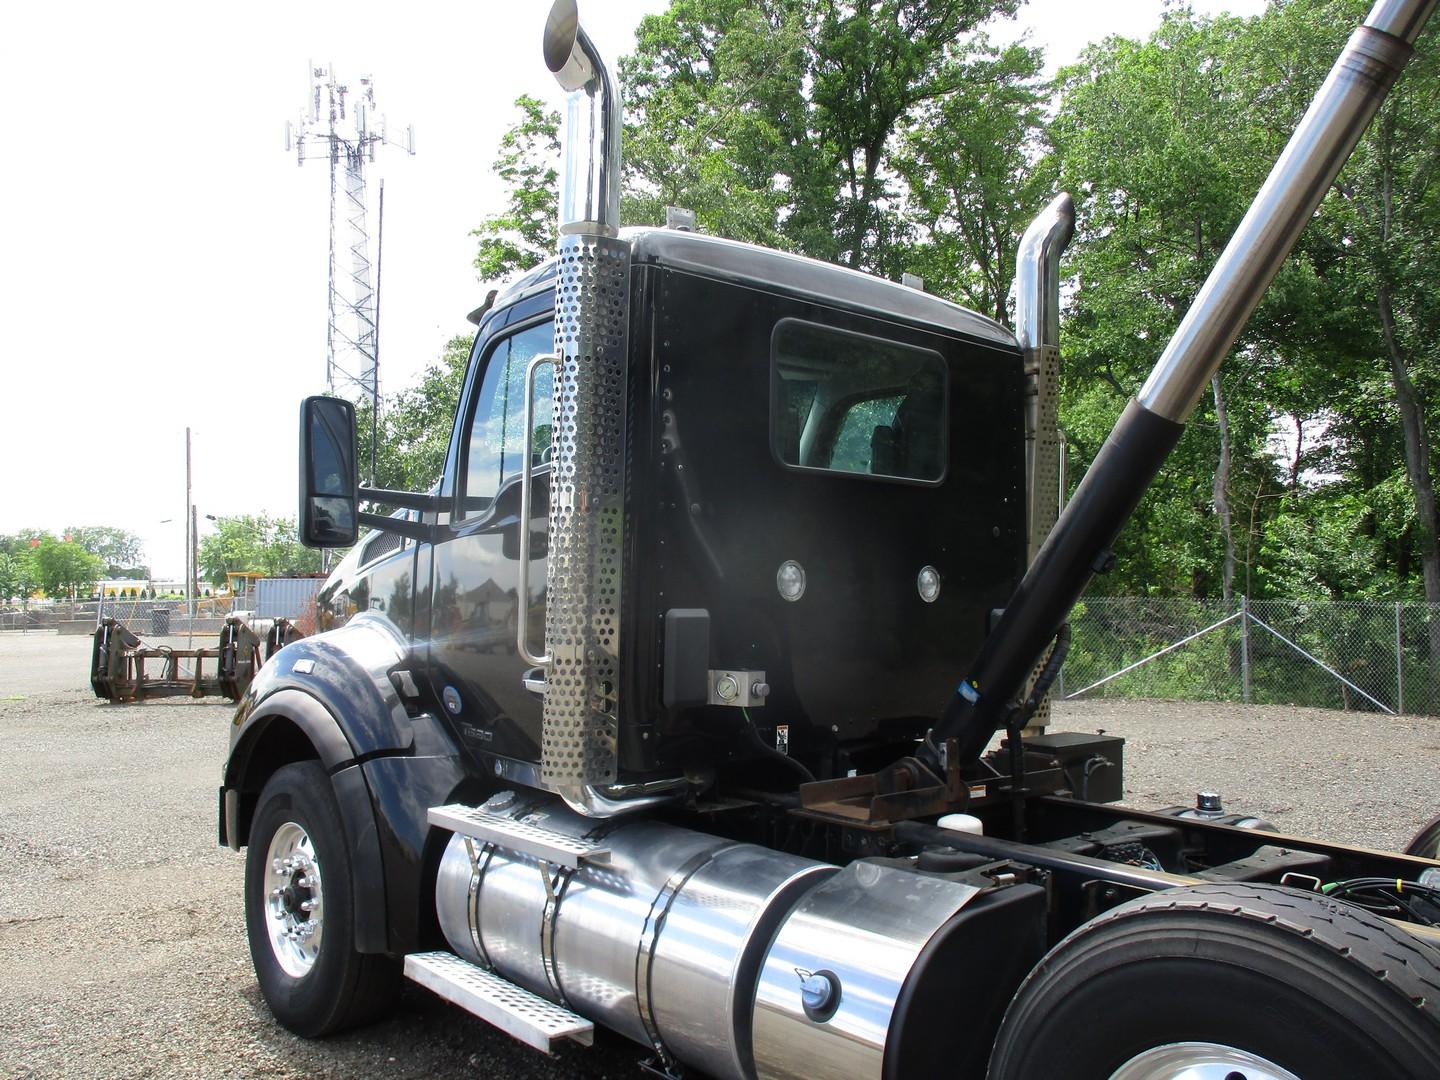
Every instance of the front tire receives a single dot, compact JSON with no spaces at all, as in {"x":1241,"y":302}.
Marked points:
{"x":299,"y":910}
{"x":1259,"y":982}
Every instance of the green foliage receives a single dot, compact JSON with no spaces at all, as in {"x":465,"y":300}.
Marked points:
{"x":119,"y":550}
{"x":974,"y":161}
{"x":10,"y":572}
{"x":64,"y":568}
{"x":1165,"y":141}
{"x":258,"y":544}
{"x":779,"y":121}
{"x":523,"y":235}
{"x":415,"y":424}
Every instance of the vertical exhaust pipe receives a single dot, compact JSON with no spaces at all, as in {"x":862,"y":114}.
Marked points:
{"x":580,"y":733}
{"x":1037,"y":326}
{"x":590,"y":175}
{"x":1147,"y":431}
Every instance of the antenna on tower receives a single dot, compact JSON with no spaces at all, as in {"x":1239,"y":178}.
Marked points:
{"x":352,"y":367}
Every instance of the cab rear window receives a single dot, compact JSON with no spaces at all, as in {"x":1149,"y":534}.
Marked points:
{"x":851,"y":403}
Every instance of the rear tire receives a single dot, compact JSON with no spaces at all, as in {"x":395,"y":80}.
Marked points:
{"x":1427,"y":841}
{"x":299,"y":910}
{"x":1289,"y":980}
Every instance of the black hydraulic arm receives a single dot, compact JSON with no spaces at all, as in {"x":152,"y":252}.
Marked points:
{"x":1079,"y":545}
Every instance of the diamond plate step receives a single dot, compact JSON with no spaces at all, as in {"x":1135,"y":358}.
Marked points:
{"x":514,"y":1010}
{"x":534,"y":840}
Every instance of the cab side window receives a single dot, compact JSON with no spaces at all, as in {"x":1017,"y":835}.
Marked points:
{"x":495,"y":438}
{"x":845,"y":402}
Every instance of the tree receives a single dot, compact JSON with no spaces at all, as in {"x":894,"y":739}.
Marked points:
{"x":119,"y":550}
{"x":64,"y":568}
{"x":779,"y":121}
{"x":9,"y":575}
{"x":1380,"y":245}
{"x":975,"y":164}
{"x":524,"y":234}
{"x":1157,"y":140}
{"x":27,"y":576}
{"x":255,"y":544}
{"x":415,"y":424}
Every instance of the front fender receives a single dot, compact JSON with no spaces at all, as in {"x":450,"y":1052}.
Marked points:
{"x":331,"y":698}
{"x":347,"y":672}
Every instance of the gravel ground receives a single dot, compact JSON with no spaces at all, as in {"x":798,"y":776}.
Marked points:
{"x":122,"y":947}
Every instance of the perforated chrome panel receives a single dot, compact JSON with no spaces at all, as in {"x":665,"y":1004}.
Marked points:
{"x":1043,"y":444}
{"x":587,"y":490}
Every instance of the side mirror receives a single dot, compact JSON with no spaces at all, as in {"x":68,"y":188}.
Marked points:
{"x":329,"y":486}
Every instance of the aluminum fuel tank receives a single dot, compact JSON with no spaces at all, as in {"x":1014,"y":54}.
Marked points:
{"x":662,"y":943}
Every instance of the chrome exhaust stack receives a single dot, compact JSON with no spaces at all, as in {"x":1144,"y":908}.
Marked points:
{"x":1079,"y":545}
{"x":580,"y":733}
{"x":1037,"y":325}
{"x":590,"y":176}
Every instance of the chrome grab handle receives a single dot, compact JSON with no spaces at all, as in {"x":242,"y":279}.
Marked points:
{"x":522,"y":620}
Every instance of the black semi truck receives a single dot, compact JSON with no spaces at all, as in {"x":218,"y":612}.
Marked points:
{"x":651,"y":713}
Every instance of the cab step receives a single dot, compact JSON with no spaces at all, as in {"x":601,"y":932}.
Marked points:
{"x":534,"y":840}
{"x":514,"y":1010}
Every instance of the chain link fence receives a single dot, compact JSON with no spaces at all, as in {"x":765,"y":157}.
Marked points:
{"x":1369,"y":655}
{"x":161,"y":617}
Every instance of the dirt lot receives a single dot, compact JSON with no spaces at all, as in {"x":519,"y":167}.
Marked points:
{"x":122,"y":949}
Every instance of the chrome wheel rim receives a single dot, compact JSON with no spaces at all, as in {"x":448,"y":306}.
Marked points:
{"x":1199,"y":1061}
{"x":293,"y":915}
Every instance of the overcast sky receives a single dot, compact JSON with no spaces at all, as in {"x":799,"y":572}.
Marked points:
{"x":163,"y":260}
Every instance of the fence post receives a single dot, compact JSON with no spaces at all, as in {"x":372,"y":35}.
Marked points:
{"x":1399,"y":665}
{"x":1245,"y":649}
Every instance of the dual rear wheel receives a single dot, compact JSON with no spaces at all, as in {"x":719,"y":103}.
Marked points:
{"x":1228,"y":982}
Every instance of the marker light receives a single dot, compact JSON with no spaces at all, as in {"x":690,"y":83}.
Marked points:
{"x":928,"y":582}
{"x":790,"y":580}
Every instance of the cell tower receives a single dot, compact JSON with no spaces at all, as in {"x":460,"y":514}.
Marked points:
{"x":347,"y":131}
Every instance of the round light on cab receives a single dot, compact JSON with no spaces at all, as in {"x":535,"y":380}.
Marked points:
{"x":928,"y":582}
{"x":790,"y":580}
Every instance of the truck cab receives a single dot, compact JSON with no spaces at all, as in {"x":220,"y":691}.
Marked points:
{"x":812,"y":499}
{"x":650,"y":714}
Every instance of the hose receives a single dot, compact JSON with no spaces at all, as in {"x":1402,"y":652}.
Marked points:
{"x":1049,"y":671}
{"x":769,"y":751}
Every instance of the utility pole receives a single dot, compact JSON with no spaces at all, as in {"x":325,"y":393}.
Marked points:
{"x":189,"y":536}
{"x":194,"y":556}
{"x":346,"y":130}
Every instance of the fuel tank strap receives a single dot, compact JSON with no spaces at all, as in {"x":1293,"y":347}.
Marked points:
{"x":654,"y":923}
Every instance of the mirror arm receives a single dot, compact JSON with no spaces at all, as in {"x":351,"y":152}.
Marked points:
{"x":408,"y":500}
{"x":415,"y":530}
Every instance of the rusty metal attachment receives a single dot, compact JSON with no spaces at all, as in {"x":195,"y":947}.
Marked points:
{"x":281,"y":633}
{"x":910,"y":788}
{"x":118,"y":662}
{"x":906,"y":789}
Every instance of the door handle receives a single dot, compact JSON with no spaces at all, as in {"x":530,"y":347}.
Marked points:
{"x":522,"y":619}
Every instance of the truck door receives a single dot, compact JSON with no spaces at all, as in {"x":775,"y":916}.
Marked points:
{"x":474,"y":659}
